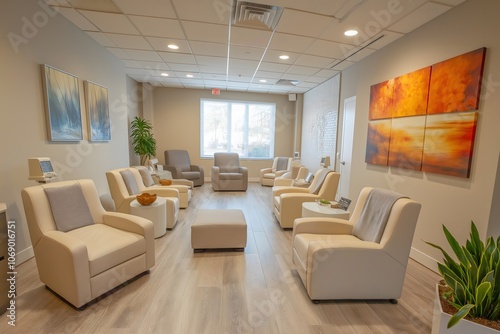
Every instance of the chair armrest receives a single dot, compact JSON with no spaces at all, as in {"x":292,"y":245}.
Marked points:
{"x":176,"y":171}
{"x":281,"y":181}
{"x":280,"y":173}
{"x":265,"y":171}
{"x":196,"y":168}
{"x":322,"y":225}
{"x":165,"y":191}
{"x":215,"y":172}
{"x":290,"y":190}
{"x":243,"y":170}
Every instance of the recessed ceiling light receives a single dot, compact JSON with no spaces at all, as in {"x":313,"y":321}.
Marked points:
{"x":351,"y":32}
{"x":173,"y":46}
{"x":284,"y":57}
{"x":263,"y":80}
{"x":189,"y":76}
{"x":164,"y":74}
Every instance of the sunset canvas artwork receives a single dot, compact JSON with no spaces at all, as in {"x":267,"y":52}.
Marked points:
{"x":407,"y":142}
{"x":449,"y":141}
{"x":377,"y":143}
{"x":381,"y":100}
{"x":456,"y":82}
{"x":410,"y":93}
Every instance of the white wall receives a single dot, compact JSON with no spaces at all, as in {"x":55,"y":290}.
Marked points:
{"x":445,"y":200}
{"x":48,"y":38}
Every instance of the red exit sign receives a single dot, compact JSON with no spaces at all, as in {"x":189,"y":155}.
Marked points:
{"x":215,"y":91}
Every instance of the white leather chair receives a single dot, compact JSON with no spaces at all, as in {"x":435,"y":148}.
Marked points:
{"x":287,"y":180}
{"x":280,"y":166}
{"x":123,"y":196}
{"x":82,"y":251}
{"x":336,"y":260}
{"x":287,"y":201}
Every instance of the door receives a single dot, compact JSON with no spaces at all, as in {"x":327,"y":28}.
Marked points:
{"x":345,"y":154}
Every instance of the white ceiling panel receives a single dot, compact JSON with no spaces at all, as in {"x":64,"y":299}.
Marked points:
{"x":158,"y":27}
{"x":309,"y":32}
{"x":111,"y":22}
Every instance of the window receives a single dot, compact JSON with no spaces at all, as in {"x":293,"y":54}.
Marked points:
{"x":246,"y":128}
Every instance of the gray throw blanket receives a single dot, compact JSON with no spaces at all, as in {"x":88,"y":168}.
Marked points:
{"x":282,"y":163}
{"x":373,"y":218}
{"x":318,"y":180}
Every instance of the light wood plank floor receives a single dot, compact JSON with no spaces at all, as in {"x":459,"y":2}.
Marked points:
{"x":255,"y":291}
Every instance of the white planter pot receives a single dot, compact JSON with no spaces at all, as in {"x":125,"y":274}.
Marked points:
{"x":440,"y":321}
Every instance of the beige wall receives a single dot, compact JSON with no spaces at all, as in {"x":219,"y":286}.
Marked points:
{"x":445,"y":200}
{"x":177,"y":124}
{"x":54,"y":41}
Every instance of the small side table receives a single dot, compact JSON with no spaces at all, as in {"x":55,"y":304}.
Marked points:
{"x":313,"y":209}
{"x":156,"y":212}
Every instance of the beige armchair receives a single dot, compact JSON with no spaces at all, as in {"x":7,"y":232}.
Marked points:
{"x":341,"y":259}
{"x":280,"y":166}
{"x":82,"y":251}
{"x":287,"y":201}
{"x":126,"y":183}
{"x":178,"y":163}
{"x":299,"y":181}
{"x":227,"y":174}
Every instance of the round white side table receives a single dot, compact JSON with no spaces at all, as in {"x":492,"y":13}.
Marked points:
{"x":313,"y":209}
{"x":156,"y":212}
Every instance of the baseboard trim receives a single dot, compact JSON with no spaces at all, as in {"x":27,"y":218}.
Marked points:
{"x":24,"y":255}
{"x":424,"y":259}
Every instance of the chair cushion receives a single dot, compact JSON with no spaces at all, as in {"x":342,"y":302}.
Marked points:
{"x":69,"y":207}
{"x":282,"y":163}
{"x":146,"y":176}
{"x":130,"y":182}
{"x":230,"y":176}
{"x":108,"y":246}
{"x":301,"y":242}
{"x":191,"y":175}
{"x":269,"y":176}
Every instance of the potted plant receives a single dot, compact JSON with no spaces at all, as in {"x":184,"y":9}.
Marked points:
{"x":470,"y":287}
{"x":143,"y":141}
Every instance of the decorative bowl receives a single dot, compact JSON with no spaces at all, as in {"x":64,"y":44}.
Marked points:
{"x":146,"y":198}
{"x":324,"y":202}
{"x":165,"y":182}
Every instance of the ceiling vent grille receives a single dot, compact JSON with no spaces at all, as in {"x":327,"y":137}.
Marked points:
{"x":286,"y":82}
{"x":256,"y":15}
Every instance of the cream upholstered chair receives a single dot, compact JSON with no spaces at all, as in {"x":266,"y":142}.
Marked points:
{"x":227,"y":174}
{"x":340,"y":259}
{"x":178,"y":163}
{"x":157,"y":173}
{"x":287,"y":180}
{"x":126,"y":183}
{"x":280,"y":166}
{"x":287,"y":201}
{"x":82,"y":251}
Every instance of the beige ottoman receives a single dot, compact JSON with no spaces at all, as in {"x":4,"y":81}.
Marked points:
{"x":214,"y":229}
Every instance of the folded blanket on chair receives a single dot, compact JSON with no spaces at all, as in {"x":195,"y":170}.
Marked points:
{"x":375,"y":213}
{"x":319,"y":178}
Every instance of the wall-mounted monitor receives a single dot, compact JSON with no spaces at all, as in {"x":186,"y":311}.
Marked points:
{"x":41,"y":170}
{"x":325,"y":161}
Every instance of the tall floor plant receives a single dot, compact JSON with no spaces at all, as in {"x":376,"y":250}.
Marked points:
{"x":143,"y":142}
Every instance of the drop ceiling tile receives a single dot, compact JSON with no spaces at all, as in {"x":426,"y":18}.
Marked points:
{"x":183,"y":76}
{"x":129,"y":41}
{"x":211,"y":61}
{"x":316,"y":80}
{"x":250,"y":37}
{"x":77,"y":19}
{"x":205,"y":32}
{"x":215,"y":83}
{"x":246,"y":52}
{"x":329,"y":49}
{"x":274,"y":67}
{"x":158,"y":27}
{"x":291,"y":43}
{"x":119,"y":53}
{"x":153,"y":65}
{"x":131,"y":64}
{"x":143,"y":55}
{"x":303,"y":70}
{"x":212,"y":76}
{"x":382,"y":39}
{"x":342,"y":65}
{"x":273,"y":56}
{"x":302,"y":23}
{"x":268,"y":81}
{"x":100,"y":38}
{"x":209,"y":49}
{"x":193,"y":81}
{"x":184,"y":67}
{"x":157,"y":73}
{"x":209,"y":11}
{"x":235,"y":77}
{"x":156,"y":8}
{"x":213,"y":69}
{"x":313,"y":61}
{"x":295,"y":77}
{"x":180,"y":58}
{"x":243,"y":63}
{"x":161,"y":44}
{"x":111,"y":22}
{"x":268,"y":75}
{"x":326,"y":73}
{"x":418,"y":17}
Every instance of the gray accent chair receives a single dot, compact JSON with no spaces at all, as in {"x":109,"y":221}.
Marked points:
{"x":178,"y":163}
{"x":227,"y":174}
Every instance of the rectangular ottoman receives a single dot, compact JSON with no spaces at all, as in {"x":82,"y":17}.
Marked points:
{"x":214,"y":229}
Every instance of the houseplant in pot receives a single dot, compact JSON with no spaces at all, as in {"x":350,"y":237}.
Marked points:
{"x":471,"y":286}
{"x":143,"y":142}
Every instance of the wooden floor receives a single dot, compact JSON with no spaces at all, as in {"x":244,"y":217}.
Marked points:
{"x":255,"y":291}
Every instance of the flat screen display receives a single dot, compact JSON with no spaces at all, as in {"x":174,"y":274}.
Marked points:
{"x":46,"y":166}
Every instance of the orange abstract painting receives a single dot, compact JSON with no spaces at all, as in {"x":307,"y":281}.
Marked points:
{"x":410,"y":93}
{"x":407,"y":142}
{"x":377,"y":143}
{"x":456,"y":82}
{"x":381,"y":98}
{"x":449,"y":141}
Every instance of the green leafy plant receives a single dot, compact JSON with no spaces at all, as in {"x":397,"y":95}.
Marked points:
{"x":143,"y":141}
{"x":474,"y":281}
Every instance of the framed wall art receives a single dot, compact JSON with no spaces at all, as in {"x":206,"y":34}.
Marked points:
{"x":98,"y":112}
{"x":62,"y":104}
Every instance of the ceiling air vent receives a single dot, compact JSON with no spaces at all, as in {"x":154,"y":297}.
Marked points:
{"x":256,"y":15}
{"x":286,"y":82}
